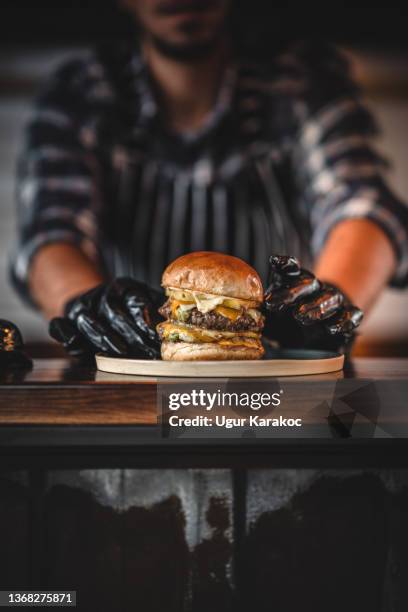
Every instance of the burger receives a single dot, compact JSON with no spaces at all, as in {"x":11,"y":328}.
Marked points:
{"x":212,"y":309}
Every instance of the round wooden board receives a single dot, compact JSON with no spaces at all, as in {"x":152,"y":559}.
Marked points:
{"x":290,"y":366}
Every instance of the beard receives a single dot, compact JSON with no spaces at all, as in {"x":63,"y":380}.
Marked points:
{"x":189,"y":51}
{"x":183,"y":53}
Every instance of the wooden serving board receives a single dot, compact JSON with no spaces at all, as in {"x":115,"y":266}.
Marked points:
{"x":276,"y":363}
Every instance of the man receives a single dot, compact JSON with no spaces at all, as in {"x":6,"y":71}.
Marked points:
{"x":135,"y":156}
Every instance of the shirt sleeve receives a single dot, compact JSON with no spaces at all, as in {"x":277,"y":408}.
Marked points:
{"x":339,"y":172}
{"x":57,"y":177}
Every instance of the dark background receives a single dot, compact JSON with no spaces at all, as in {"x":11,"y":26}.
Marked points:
{"x":380,"y":24}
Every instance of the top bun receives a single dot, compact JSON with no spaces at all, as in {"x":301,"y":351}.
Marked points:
{"x":217,"y":273}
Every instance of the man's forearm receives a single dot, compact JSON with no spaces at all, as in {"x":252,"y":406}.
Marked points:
{"x":59,"y":272}
{"x":359,"y":259}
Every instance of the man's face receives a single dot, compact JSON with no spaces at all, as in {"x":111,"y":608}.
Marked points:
{"x":182,"y":28}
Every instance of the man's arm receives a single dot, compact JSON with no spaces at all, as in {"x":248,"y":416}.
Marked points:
{"x":359,"y":259}
{"x":58,"y":273}
{"x":359,"y":227}
{"x":59,"y":243}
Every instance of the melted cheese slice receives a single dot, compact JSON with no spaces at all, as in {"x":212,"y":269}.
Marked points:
{"x":229,"y":313}
{"x":184,"y":306}
{"x":238,"y":341}
{"x":187,"y":333}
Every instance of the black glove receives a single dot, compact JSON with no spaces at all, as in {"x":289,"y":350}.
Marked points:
{"x":118,"y":318}
{"x":12,"y":353}
{"x":302,"y":312}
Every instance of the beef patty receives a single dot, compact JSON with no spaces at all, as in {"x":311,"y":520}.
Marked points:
{"x":214,"y":320}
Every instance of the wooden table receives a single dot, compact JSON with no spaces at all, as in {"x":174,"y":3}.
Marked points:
{"x":63,"y":410}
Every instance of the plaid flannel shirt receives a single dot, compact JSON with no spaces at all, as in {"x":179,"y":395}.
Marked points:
{"x":285,"y":155}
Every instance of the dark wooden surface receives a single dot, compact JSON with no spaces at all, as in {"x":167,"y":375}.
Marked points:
{"x":59,"y":392}
{"x":60,"y":414}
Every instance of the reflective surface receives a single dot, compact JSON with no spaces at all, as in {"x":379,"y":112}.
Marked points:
{"x":195,"y":540}
{"x":68,"y":371}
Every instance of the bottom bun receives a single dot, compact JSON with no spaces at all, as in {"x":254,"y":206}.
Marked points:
{"x":208,"y":351}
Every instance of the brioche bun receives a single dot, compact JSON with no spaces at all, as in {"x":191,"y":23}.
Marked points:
{"x":216,"y":273}
{"x":208,"y":351}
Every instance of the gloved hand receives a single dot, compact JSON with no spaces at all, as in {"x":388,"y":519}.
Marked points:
{"x":12,"y":353}
{"x":302,"y":312}
{"x":118,"y":318}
